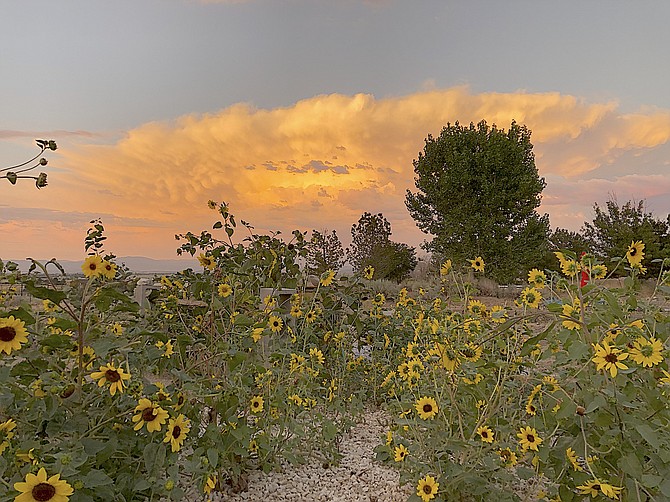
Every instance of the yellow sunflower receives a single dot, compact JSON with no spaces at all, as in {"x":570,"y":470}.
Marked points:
{"x":477,"y":264}
{"x":594,"y":487}
{"x":151,"y":414}
{"x":206,"y":261}
{"x":476,"y":307}
{"x":112,"y":375}
{"x":427,"y":488}
{"x":257,"y":404}
{"x":12,"y":334}
{"x":485,"y":433}
{"x":570,"y":268}
{"x":647,"y":352}
{"x":531,"y":297}
{"x":6,"y":429}
{"x":108,"y":269}
{"x":92,"y":266}
{"x":176,"y":432}
{"x":528,"y":438}
{"x":508,"y":457}
{"x":635,"y":253}
{"x":447,"y":356}
{"x":598,"y":271}
{"x":225,"y":290}
{"x":369,"y":272}
{"x":400,"y":453}
{"x":445,"y":268}
{"x":570,"y":316}
{"x":573,"y":459}
{"x":472,"y":352}
{"x":537,"y":278}
{"x":609,"y":358}
{"x":275,"y":323}
{"x":39,"y":488}
{"x":426,"y":407}
{"x":327,"y":277}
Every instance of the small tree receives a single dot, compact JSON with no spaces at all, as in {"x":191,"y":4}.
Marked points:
{"x":368,"y":238}
{"x":324,"y":251}
{"x":14,"y":173}
{"x":615,"y":227}
{"x":371,"y":245}
{"x":477,"y":191}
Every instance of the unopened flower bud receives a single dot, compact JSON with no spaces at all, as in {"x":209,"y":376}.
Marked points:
{"x":41,"y":181}
{"x":581,"y":411}
{"x":43,"y":161}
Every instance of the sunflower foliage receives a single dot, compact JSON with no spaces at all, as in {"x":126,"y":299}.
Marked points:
{"x":560,"y":396}
{"x":236,"y":366}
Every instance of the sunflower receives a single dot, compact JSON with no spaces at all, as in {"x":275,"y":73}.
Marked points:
{"x":327,"y":277}
{"x":108,"y":269}
{"x":210,"y":483}
{"x":531,"y":297}
{"x":256,"y":404}
{"x":225,"y":290}
{"x":151,"y":414}
{"x":528,"y":438}
{"x":87,"y":356}
{"x":508,"y":457}
{"x":176,"y":432}
{"x":570,"y":267}
{"x":476,"y":307}
{"x":6,"y":429}
{"x":445,"y":268}
{"x":257,"y":334}
{"x":647,"y":352}
{"x":317,"y":355}
{"x":598,"y":271}
{"x":39,"y":488}
{"x":609,"y":358}
{"x":275,"y":323}
{"x":12,"y":334}
{"x":206,"y":261}
{"x":498,"y":314}
{"x":369,"y":272}
{"x":472,"y":352}
{"x":594,"y":487}
{"x":426,"y":407}
{"x":400,"y":452}
{"x":477,"y":264}
{"x":109,"y":373}
{"x":427,"y":488}
{"x":211,"y":204}
{"x":447,"y":356}
{"x":573,"y":459}
{"x":530,"y":408}
{"x":537,"y":278}
{"x":570,"y":313}
{"x":485,"y":433}
{"x":635,"y":253}
{"x":310,"y":316}
{"x":92,"y":266}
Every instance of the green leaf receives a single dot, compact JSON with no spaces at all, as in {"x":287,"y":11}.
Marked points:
{"x":154,"y":457}
{"x":44,"y":293}
{"x":213,"y":457}
{"x":21,"y":313}
{"x":92,"y":446}
{"x":97,"y":478}
{"x":649,"y":435}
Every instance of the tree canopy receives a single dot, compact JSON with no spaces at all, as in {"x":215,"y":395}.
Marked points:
{"x":324,"y":251}
{"x":477,"y":191}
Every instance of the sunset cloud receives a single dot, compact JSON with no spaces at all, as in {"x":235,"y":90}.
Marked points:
{"x":322,"y":162}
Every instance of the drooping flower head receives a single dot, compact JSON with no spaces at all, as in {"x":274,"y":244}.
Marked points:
{"x":537,"y":278}
{"x":327,"y":277}
{"x":445,"y":268}
{"x":369,"y":272}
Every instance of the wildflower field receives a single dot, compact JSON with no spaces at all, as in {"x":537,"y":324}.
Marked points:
{"x":245,"y":363}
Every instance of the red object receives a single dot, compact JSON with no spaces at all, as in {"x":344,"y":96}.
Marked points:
{"x":585,"y":274}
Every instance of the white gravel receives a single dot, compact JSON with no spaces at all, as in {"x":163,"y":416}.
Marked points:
{"x":358,"y":477}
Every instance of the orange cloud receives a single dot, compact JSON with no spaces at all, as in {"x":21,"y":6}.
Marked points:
{"x":319,"y":163}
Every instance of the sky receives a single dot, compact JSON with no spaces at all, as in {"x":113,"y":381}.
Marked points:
{"x":303,"y":114}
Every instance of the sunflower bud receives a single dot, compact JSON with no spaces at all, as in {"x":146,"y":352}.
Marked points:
{"x":41,"y":181}
{"x":43,"y":161}
{"x":11,"y":177}
{"x":581,"y":411}
{"x":52,"y":145}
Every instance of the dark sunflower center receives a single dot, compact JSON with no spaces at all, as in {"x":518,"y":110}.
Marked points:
{"x":468,"y":352}
{"x":530,"y":438}
{"x":530,"y":298}
{"x":485,"y":434}
{"x":633,"y":251}
{"x":611,"y":358}
{"x":176,"y":432}
{"x":427,"y":489}
{"x":108,"y":267}
{"x":180,"y":400}
{"x":112,"y":376}
{"x":43,"y":492}
{"x":256,"y":404}
{"x":149,"y":414}
{"x":91,"y":266}
{"x":427,"y":408}
{"x":505,"y":454}
{"x":7,"y":334}
{"x":596,"y":487}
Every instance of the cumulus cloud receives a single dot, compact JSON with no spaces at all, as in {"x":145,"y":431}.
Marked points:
{"x":323,"y":161}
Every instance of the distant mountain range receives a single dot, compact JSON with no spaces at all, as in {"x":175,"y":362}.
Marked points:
{"x":138,"y":264}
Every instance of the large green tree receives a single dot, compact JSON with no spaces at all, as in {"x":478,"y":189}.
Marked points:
{"x":477,"y":191}
{"x":615,"y":226}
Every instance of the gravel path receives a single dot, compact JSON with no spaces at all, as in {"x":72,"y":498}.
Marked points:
{"x":358,"y":477}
